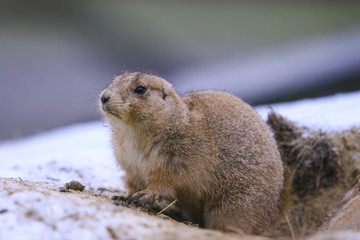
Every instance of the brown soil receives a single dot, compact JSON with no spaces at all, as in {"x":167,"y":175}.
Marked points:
{"x":323,"y":166}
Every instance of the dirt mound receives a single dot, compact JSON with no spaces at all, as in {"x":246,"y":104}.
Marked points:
{"x":323,"y":166}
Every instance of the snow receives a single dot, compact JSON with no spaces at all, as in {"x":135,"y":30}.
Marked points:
{"x":82,"y":152}
{"x":40,"y":215}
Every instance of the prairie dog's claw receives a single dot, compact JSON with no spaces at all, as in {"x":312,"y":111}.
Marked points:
{"x":135,"y":197}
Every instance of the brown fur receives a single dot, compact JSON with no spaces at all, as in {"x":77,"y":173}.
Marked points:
{"x":209,"y":150}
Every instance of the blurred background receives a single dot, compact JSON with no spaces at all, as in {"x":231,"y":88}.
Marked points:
{"x":57,"y":56}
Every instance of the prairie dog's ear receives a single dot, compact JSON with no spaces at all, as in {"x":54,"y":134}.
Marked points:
{"x":164,"y":93}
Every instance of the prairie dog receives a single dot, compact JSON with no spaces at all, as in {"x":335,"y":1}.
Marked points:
{"x":209,"y":150}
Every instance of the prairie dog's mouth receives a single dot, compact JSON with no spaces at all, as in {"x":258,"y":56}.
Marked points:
{"x":108,"y":110}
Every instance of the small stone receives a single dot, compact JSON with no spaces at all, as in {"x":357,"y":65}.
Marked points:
{"x":75,"y":185}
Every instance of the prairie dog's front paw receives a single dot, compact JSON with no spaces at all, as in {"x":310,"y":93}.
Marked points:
{"x":143,"y":198}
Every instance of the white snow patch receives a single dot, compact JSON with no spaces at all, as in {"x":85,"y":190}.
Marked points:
{"x":80,"y":152}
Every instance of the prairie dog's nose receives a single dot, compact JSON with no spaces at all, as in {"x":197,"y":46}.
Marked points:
{"x":104,"y":97}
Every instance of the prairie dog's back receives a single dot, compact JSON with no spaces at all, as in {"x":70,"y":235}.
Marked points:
{"x":247,"y":157}
{"x":236,"y":127}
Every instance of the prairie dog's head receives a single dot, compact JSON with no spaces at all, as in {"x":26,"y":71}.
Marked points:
{"x":135,"y":97}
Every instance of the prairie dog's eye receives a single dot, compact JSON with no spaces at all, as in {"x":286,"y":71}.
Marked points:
{"x":140,"y":90}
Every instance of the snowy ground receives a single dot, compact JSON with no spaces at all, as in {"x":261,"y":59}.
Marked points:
{"x":82,"y":152}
